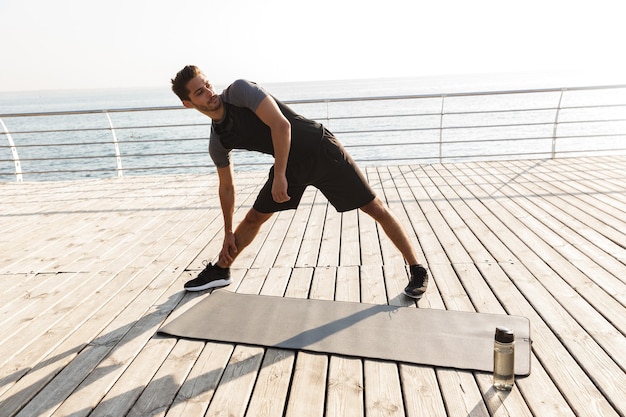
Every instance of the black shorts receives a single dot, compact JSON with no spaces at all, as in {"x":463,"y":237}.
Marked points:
{"x":332,"y":171}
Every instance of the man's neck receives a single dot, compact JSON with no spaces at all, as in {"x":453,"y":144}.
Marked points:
{"x":216,"y":115}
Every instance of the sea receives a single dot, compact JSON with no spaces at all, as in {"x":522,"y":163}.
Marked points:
{"x":171,"y":148}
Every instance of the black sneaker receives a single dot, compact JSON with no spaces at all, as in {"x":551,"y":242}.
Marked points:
{"x":418,"y":282}
{"x":212,"y":276}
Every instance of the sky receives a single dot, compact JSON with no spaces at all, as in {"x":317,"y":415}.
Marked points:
{"x":83,"y":44}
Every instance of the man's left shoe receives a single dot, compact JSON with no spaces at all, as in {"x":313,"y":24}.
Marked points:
{"x":418,"y":282}
{"x":212,"y":276}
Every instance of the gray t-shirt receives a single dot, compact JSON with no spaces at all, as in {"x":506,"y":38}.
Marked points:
{"x":241,"y":128}
{"x":241,"y":93}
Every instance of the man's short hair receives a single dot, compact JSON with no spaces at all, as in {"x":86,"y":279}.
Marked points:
{"x":179,"y":83}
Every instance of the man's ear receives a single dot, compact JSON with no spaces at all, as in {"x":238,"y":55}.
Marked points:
{"x":188,"y":104}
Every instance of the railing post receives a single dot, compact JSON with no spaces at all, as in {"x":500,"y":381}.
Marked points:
{"x":328,"y":113}
{"x":16,"y":158}
{"x":556,"y":124}
{"x":118,"y":156}
{"x":441,"y":113}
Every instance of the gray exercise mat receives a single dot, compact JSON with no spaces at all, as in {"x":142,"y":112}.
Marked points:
{"x":444,"y":338}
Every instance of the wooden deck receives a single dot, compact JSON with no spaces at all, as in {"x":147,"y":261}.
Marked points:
{"x":91,"y":269}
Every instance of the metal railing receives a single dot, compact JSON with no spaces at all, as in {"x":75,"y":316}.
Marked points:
{"x":429,"y":128}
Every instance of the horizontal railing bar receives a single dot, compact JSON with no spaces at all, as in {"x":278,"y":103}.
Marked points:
{"x":492,"y":140}
{"x":96,"y":129}
{"x":464,"y":94}
{"x":112,"y":155}
{"x":36,"y":145}
{"x":526,"y":138}
{"x":603,"y":135}
{"x":533,"y":124}
{"x":336,"y":100}
{"x":47,"y":145}
{"x":138,"y":127}
{"x":18,"y":132}
{"x":388,"y":116}
{"x":68,"y":171}
{"x":457,"y":113}
{"x":353,"y":145}
{"x":335,"y":131}
{"x":104,"y":129}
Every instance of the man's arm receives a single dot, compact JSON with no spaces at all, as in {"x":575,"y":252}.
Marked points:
{"x":227,"y":202}
{"x":270,"y":114}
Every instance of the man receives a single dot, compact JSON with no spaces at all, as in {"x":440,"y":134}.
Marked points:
{"x":246,"y":117}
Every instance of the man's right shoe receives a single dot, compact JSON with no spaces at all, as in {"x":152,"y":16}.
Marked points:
{"x":212,"y":276}
{"x":417,"y":283}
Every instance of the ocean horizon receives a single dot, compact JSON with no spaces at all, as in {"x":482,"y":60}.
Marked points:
{"x":35,"y":101}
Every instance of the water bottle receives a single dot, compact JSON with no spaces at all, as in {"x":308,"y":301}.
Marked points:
{"x":503,"y":359}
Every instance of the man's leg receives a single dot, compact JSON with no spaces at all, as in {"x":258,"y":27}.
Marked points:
{"x":218,"y":275}
{"x":392,"y":227}
{"x":245,"y":233}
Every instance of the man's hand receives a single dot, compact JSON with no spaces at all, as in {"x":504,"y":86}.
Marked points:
{"x":228,"y":249}
{"x":279,"y":189}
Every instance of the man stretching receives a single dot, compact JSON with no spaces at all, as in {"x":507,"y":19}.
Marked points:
{"x":245,"y":116}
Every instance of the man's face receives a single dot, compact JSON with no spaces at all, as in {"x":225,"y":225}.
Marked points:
{"x":202,"y":96}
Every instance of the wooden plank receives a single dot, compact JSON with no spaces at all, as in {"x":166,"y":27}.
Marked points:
{"x":309,"y":249}
{"x":267,"y":253}
{"x":272,"y":385}
{"x":395,"y":187}
{"x":345,"y":388}
{"x":235,"y":388}
{"x":330,"y":244}
{"x":350,"y":252}
{"x":198,"y":389}
{"x":371,"y":251}
{"x":373,"y":289}
{"x":323,"y":284}
{"x":383,"y":396}
{"x":381,"y":380}
{"x":299,"y":283}
{"x":381,"y":182}
{"x":347,"y":287}
{"x":160,"y":392}
{"x":308,"y":387}
{"x":420,"y":390}
{"x":276,"y":282}
{"x":294,"y":237}
{"x":253,"y":281}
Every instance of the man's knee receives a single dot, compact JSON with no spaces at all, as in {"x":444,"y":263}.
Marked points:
{"x":256,"y":218}
{"x":376,"y":208}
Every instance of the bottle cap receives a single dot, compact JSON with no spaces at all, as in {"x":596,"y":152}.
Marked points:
{"x":504,"y":335}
